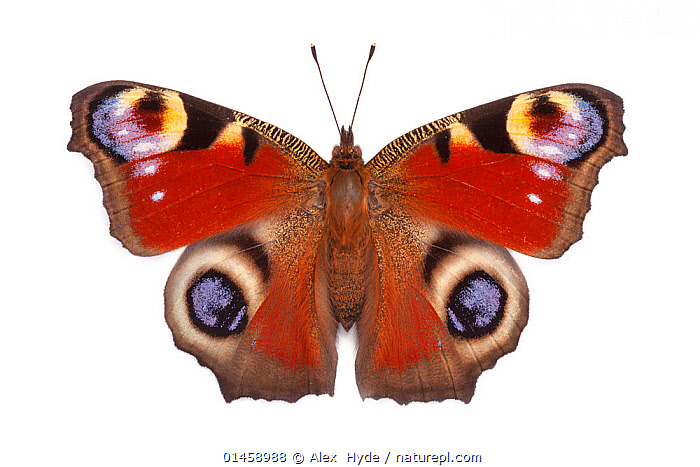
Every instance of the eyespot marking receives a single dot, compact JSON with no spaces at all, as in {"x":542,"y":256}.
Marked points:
{"x":557,"y":126}
{"x":476,"y":306}
{"x":216,"y":305}
{"x":136,"y":123}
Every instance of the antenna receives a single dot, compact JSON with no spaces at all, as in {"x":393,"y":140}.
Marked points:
{"x":313,"y":52}
{"x":371,"y":52}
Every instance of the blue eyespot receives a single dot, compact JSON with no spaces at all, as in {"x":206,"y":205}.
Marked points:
{"x":476,"y":306}
{"x":217,"y":305}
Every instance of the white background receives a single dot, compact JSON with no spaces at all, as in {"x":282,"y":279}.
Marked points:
{"x":606,"y":371}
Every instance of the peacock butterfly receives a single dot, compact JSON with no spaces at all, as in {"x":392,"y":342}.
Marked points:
{"x":283,"y":246}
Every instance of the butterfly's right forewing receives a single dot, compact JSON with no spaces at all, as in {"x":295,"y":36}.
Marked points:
{"x":175,"y":169}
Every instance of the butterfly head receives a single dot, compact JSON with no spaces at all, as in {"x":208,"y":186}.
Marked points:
{"x":346,"y":153}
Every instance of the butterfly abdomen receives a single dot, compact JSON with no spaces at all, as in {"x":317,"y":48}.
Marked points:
{"x":347,"y":279}
{"x":348,"y":248}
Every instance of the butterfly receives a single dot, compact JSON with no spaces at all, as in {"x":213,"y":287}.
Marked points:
{"x":411,"y":247}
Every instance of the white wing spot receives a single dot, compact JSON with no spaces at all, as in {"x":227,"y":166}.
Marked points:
{"x":146,"y":168}
{"x":543,"y":172}
{"x":534,"y":198}
{"x":546,"y":171}
{"x":158,"y":195}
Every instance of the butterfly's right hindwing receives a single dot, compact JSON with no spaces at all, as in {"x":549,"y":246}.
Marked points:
{"x":244,"y":304}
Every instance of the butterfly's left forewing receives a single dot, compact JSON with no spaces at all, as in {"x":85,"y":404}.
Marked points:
{"x":517,"y":172}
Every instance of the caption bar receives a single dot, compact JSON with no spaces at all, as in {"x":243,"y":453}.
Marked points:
{"x":351,"y":458}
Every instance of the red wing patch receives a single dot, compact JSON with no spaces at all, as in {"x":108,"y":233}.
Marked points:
{"x":516,"y":201}
{"x":178,"y":198}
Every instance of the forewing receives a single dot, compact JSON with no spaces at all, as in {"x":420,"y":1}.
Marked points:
{"x":175,"y":169}
{"x":517,"y":172}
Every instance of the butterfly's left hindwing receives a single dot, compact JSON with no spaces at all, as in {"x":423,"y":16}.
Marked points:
{"x":446,"y":307}
{"x":175,"y":169}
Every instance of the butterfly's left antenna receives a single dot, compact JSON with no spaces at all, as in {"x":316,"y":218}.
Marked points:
{"x":313,"y":52}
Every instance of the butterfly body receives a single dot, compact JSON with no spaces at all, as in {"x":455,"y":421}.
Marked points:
{"x":347,"y":255}
{"x":284,"y":247}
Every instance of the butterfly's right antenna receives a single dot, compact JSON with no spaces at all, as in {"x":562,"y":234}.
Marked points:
{"x":313,"y":52}
{"x":371,"y":52}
